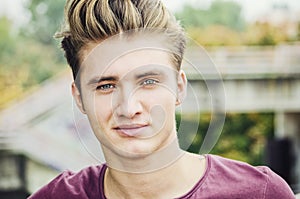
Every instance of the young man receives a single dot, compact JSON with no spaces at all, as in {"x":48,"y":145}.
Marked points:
{"x":126,"y":57}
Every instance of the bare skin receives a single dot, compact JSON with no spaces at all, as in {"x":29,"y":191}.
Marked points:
{"x":171,"y":182}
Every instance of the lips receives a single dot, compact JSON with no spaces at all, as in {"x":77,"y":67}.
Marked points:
{"x":130,"y":130}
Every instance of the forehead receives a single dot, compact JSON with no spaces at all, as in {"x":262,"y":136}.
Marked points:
{"x":121,"y":55}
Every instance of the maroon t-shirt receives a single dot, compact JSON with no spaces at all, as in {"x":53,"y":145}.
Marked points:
{"x":223,"y":178}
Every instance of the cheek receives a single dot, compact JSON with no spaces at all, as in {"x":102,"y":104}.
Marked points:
{"x":161,"y":105}
{"x":102,"y":108}
{"x":163,"y":96}
{"x":98,"y":109}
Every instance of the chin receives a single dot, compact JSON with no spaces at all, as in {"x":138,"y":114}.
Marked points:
{"x":136,"y":150}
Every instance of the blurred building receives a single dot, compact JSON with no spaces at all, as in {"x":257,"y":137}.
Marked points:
{"x":40,"y":138}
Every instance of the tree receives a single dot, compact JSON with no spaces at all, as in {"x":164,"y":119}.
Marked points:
{"x":243,"y":135}
{"x":46,"y":19}
{"x":298,"y":31}
{"x":226,"y":13}
{"x":6,"y":40}
{"x":24,"y":63}
{"x":263,"y":34}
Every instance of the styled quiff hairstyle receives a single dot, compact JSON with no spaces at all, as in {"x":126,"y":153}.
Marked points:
{"x":89,"y":21}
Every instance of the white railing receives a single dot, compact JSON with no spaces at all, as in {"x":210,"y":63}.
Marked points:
{"x":280,"y":60}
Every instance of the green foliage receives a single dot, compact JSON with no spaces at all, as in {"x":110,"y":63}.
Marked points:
{"x":223,"y":24}
{"x":215,"y":35}
{"x":31,"y":56}
{"x":243,"y":135}
{"x":298,"y":32}
{"x":7,"y":43}
{"x":46,"y":19}
{"x":24,"y":63}
{"x":225,"y":13}
{"x":265,"y":34}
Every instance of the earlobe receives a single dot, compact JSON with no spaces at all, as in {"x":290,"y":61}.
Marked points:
{"x":77,"y":97}
{"x":181,"y":87}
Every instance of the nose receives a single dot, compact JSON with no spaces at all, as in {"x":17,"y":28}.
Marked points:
{"x":128,"y":103}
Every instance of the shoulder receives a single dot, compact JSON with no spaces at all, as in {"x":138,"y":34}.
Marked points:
{"x":237,"y":177}
{"x":276,"y":186}
{"x":235,"y":170}
{"x":68,"y":184}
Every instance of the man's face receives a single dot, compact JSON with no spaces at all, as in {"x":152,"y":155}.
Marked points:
{"x":130,"y":98}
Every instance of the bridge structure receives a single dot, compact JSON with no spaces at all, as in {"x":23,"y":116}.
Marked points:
{"x":249,"y":79}
{"x":221,"y":80}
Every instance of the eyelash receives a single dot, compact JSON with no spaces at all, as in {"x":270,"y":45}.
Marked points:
{"x":105,"y":87}
{"x":149,"y":82}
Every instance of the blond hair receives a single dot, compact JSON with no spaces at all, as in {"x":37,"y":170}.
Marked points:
{"x":95,"y":20}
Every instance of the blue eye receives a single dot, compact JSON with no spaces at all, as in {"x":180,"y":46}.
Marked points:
{"x":105,"y":87}
{"x":149,"y":82}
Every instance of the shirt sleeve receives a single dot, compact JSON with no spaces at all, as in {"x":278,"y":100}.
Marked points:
{"x":84,"y":184}
{"x":47,"y":191}
{"x":276,"y":187}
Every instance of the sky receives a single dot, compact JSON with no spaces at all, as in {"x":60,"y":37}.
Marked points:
{"x":251,"y":8}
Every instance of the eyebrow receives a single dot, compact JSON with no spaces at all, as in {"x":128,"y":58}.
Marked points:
{"x":146,"y":74}
{"x":96,"y":80}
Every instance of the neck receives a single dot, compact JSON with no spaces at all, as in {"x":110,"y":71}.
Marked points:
{"x":146,"y":163}
{"x":160,"y":183}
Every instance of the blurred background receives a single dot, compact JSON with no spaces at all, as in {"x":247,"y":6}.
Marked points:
{"x":253,"y":45}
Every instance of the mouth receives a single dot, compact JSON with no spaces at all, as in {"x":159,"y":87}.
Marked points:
{"x":131,"y":130}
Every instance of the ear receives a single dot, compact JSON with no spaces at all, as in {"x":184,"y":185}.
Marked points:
{"x":181,"y":87}
{"x":77,"y":97}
